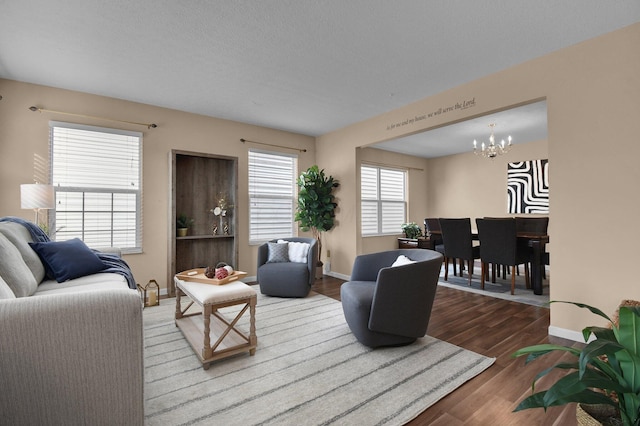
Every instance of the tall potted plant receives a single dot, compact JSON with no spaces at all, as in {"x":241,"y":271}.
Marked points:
{"x":606,"y":371}
{"x":316,"y":205}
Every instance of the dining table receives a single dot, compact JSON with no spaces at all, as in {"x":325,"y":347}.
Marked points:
{"x":537,"y":242}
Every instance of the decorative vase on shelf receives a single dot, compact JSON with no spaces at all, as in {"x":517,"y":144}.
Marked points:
{"x":182,"y":232}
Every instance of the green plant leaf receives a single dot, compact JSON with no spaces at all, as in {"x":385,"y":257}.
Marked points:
{"x":609,"y":364}
{"x":594,"y":378}
{"x":630,"y":403}
{"x":600,"y":332}
{"x":582,"y":305}
{"x":629,"y":329}
{"x":538,"y":350}
{"x":560,"y":366}
{"x":587,"y":396}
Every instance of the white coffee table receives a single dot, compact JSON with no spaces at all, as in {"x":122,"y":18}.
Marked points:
{"x":213,"y":326}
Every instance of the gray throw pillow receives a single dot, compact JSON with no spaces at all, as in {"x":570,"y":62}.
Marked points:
{"x":20,"y":237}
{"x":15,"y":271}
{"x":278,"y":252}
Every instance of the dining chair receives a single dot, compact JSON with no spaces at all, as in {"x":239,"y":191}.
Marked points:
{"x":499,"y":246}
{"x":458,"y":244}
{"x":432,"y":229}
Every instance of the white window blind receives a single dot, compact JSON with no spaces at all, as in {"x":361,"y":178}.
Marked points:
{"x":272,"y":195}
{"x":97,"y":176}
{"x":383,"y":200}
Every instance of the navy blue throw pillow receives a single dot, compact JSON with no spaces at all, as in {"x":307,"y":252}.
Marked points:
{"x":66,"y":260}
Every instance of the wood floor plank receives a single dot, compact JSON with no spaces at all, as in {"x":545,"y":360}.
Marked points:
{"x":495,"y":328}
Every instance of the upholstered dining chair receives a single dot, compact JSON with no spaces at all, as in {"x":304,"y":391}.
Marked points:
{"x":458,"y":244}
{"x":286,"y":268}
{"x":432,"y":228}
{"x":389,"y":298}
{"x":499,"y":246}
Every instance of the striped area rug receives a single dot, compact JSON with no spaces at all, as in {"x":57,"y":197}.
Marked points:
{"x":308,"y":370}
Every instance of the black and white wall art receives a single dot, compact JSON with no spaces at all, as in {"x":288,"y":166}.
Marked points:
{"x":528,"y":187}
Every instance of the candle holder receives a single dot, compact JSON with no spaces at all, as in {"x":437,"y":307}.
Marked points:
{"x":153,"y":296}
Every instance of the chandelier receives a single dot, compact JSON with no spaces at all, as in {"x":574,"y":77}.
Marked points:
{"x":492,"y":150}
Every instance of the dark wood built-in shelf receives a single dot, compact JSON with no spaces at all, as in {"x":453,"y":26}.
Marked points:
{"x":196,"y":181}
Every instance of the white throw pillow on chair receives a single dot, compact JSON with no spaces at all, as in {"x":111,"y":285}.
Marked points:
{"x":402,"y":260}
{"x":298,"y":251}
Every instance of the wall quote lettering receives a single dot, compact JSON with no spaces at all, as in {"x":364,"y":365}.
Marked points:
{"x":461,"y":105}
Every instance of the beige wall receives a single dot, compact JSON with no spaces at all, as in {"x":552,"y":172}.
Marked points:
{"x":416,"y":200}
{"x":24,"y":135}
{"x":466,"y":185}
{"x":593,"y":99}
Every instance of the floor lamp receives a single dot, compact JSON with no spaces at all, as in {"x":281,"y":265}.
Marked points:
{"x":37,"y":196}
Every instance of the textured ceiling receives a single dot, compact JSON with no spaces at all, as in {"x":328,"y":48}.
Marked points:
{"x":304,"y":66}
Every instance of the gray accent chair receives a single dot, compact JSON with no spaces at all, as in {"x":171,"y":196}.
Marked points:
{"x":391,"y":306}
{"x":287,"y":279}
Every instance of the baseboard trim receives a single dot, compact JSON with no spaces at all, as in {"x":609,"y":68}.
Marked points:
{"x":337,"y":275}
{"x":564,"y":333}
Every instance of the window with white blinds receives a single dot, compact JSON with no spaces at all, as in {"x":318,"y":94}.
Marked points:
{"x":383,"y":200}
{"x":97,"y":175}
{"x":272,"y":195}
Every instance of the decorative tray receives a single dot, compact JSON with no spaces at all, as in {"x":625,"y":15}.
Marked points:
{"x":197,"y":275}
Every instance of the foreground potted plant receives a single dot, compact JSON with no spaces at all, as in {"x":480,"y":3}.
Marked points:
{"x":606,"y":371}
{"x":316,"y":206}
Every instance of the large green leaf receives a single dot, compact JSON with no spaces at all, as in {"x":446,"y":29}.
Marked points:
{"x":586,"y":396}
{"x":595,"y":349}
{"x":568,"y":386}
{"x":536,"y":351}
{"x":582,"y":305}
{"x":601,"y":333}
{"x":630,"y":408}
{"x":559,"y":366}
{"x":629,"y":329}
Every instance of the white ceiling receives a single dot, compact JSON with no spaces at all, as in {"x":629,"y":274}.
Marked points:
{"x":304,"y":66}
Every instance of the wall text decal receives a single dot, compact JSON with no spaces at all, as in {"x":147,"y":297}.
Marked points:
{"x":469,"y":103}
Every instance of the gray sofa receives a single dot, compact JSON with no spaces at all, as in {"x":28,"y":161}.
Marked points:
{"x":389,"y":298}
{"x":70,"y":352}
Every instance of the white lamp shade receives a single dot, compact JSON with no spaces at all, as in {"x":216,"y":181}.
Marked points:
{"x":37,"y":196}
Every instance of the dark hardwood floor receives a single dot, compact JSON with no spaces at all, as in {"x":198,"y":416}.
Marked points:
{"x":494,"y":328}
